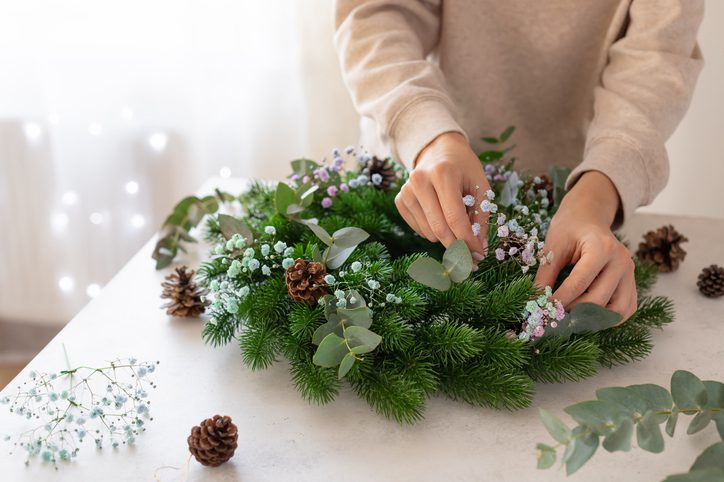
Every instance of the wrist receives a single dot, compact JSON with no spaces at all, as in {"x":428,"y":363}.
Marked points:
{"x":594,"y":197}
{"x":445,"y":141}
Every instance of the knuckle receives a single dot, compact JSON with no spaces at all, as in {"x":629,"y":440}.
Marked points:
{"x":442,"y":168}
{"x":577,"y":285}
{"x":417,"y":177}
{"x":609,"y":244}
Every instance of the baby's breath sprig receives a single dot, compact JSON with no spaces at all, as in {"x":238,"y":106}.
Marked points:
{"x":108,"y":404}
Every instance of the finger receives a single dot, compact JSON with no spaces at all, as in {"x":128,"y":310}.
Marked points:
{"x":584,"y":272}
{"x":412,"y":204}
{"x":430,"y":204}
{"x":548,"y":273}
{"x":624,"y":299}
{"x":603,"y":287}
{"x":450,"y":194}
{"x":407,"y":215}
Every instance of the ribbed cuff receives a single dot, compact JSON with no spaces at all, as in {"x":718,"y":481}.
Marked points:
{"x":418,"y":124}
{"x":623,"y":164}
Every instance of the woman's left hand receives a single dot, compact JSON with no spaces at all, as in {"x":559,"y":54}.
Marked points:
{"x":580,"y":234}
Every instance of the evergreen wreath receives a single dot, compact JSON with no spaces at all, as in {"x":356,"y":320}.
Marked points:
{"x":398,"y":317}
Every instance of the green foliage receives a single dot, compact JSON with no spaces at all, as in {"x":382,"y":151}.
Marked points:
{"x":397,"y":339}
{"x":619,"y":411}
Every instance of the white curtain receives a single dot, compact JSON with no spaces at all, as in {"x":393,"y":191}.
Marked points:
{"x":112,"y":111}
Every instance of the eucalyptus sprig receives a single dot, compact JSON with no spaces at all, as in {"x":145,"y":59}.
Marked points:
{"x":617,"y":411}
{"x":456,"y":266}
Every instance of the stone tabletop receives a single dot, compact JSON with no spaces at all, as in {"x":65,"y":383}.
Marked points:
{"x":283,"y":438}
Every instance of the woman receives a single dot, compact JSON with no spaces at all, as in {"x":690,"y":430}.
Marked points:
{"x":596,"y":86}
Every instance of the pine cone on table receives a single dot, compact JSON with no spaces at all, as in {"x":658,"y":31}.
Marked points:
{"x":213,"y":441}
{"x":384,"y":169}
{"x":711,"y":281}
{"x":185,"y":297}
{"x":663,"y":248}
{"x":305,"y":281}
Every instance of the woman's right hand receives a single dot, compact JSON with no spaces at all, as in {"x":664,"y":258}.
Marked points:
{"x":431,"y":201}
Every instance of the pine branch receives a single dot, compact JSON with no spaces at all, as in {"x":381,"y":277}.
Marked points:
{"x":392,"y":395}
{"x":653,"y":312}
{"x":259,"y":345}
{"x":220,"y":329}
{"x":449,"y":343}
{"x":562,"y":360}
{"x":303,"y":320}
{"x":480,"y":384}
{"x":500,"y":351}
{"x":396,"y":334}
{"x":623,"y":344}
{"x":645,"y":274}
{"x":314,"y":383}
{"x":505,"y":303}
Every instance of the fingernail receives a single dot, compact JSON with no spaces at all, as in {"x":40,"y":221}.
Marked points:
{"x":478,"y":256}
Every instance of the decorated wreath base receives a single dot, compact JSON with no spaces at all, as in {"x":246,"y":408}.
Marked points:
{"x":323,"y":271}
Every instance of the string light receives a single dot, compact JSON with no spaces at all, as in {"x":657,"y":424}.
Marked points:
{"x":69,"y":198}
{"x":33,"y":131}
{"x":66,"y":284}
{"x":137,"y":221}
{"x":225,"y":172}
{"x":158,"y":141}
{"x":96,"y":218}
{"x":95,"y":129}
{"x":59,"y":221}
{"x":92,"y":290}
{"x":131,"y":187}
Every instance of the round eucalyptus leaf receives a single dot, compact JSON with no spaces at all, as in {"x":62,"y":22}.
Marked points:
{"x":430,"y":273}
{"x":345,"y":365}
{"x":458,"y":261}
{"x":712,"y":457}
{"x":358,"y":335}
{"x":555,"y":426}
{"x":620,"y":438}
{"x":330,"y":351}
{"x":583,"y":449}
{"x":546,"y":456}
{"x":349,"y":237}
{"x":648,"y":434}
{"x":657,"y":398}
{"x":688,"y":391}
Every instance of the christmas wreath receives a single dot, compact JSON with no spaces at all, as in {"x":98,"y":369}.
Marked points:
{"x":323,"y":271}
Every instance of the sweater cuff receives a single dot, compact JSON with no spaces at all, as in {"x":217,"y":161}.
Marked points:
{"x":622,"y":163}
{"x":418,"y":124}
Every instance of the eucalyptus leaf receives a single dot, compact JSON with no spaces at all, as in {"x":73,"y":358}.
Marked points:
{"x":600,"y":416}
{"x":345,"y":365}
{"x":230,"y":226}
{"x":620,"y":438}
{"x":490,"y":140}
{"x":361,"y":349}
{"x":354,"y":299}
{"x":330,"y":351}
{"x":558,"y":176}
{"x":361,"y":316}
{"x":510,"y":190}
{"x":671,"y":422}
{"x":715,"y":399}
{"x":490,"y":156}
{"x":430,"y":272}
{"x":583,"y":449}
{"x":458,"y":261}
{"x":303,"y":166}
{"x":546,"y":456}
{"x":688,"y":391}
{"x":358,"y":335}
{"x":349,"y":237}
{"x":555,"y":426}
{"x":712,"y":457}
{"x":284,"y":197}
{"x":657,"y":398}
{"x":711,"y":474}
{"x":337,"y":256}
{"x":648,"y":434}
{"x":294,"y":209}
{"x":332,"y":326}
{"x":626,"y":399}
{"x":591,"y":318}
{"x":699,"y":422}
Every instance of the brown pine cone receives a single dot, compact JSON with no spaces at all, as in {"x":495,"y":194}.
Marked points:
{"x":511,"y":242}
{"x":186,"y":299}
{"x":545,"y":184}
{"x":213,"y":441}
{"x":305,"y":281}
{"x":711,"y":281}
{"x":384,"y":169}
{"x":662,"y":247}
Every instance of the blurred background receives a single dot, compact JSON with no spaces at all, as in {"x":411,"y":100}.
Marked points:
{"x":110,"y":112}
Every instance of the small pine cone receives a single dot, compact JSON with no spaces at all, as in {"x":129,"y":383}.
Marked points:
{"x":662,"y":247}
{"x":512,"y":242}
{"x":382,"y":168}
{"x":711,"y":281}
{"x":305,"y":281}
{"x":213,"y":441}
{"x":185,"y":297}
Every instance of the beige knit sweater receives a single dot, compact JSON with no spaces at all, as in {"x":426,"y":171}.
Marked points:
{"x":591,"y":84}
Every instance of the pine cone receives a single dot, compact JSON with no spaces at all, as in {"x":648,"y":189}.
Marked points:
{"x":511,"y":242}
{"x":662,"y":247}
{"x":213,"y":441}
{"x":305,"y":281}
{"x":384,"y":169}
{"x":711,"y":281}
{"x":184,"y":295}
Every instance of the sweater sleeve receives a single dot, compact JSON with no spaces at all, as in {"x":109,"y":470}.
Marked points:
{"x":383,"y":48}
{"x":644,"y":92}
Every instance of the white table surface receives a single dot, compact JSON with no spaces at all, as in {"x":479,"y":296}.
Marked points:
{"x":282,"y":437}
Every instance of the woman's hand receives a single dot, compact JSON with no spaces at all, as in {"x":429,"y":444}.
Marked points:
{"x":431,"y":200}
{"x":580,"y":234}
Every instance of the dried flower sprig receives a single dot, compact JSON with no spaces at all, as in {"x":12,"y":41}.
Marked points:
{"x":106,"y":404}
